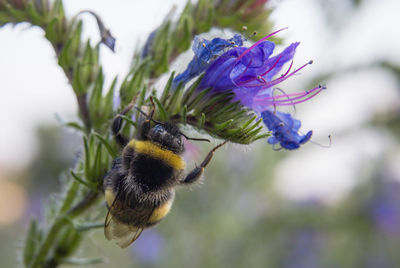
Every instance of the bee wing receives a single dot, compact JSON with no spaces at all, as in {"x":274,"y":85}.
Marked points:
{"x":124,"y":234}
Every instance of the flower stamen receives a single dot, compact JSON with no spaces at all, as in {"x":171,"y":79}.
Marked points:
{"x":293,"y":98}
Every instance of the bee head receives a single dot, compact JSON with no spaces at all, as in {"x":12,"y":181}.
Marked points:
{"x":168,"y":136}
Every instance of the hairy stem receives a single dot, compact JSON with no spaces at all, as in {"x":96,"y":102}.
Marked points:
{"x":61,"y":220}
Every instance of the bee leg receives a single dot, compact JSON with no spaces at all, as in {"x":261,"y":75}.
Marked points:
{"x":196,"y":173}
{"x":143,"y":130}
{"x":117,"y":124}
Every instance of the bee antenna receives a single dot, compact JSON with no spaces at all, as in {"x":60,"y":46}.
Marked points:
{"x":194,"y":139}
{"x":153,"y":110}
{"x":247,"y":36}
{"x":151,"y":119}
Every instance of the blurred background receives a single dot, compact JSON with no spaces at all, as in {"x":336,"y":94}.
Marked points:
{"x":315,"y":207}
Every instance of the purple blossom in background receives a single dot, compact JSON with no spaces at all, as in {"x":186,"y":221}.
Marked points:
{"x":116,"y":102}
{"x":205,"y":52}
{"x":35,"y":207}
{"x":304,"y":249}
{"x":249,"y":73}
{"x":384,"y":207}
{"x":148,"y":249}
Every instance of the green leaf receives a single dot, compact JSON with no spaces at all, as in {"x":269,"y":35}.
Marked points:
{"x":32,"y":240}
{"x":80,"y":180}
{"x":262,"y":136}
{"x":133,"y":83}
{"x":68,"y":241}
{"x":160,"y":109}
{"x":192,"y":104}
{"x":184,"y":114}
{"x":96,"y":169}
{"x":245,"y":125}
{"x":83,"y":227}
{"x":96,"y":95}
{"x":18,"y":15}
{"x":130,"y":121}
{"x":202,"y":121}
{"x":167,"y":89}
{"x":35,"y":17}
{"x":175,"y":101}
{"x":189,"y":92}
{"x":220,"y":127}
{"x":107,"y":145}
{"x":87,"y":158}
{"x":75,"y":125}
{"x":75,"y":40}
{"x":251,"y":127}
{"x":108,"y":100}
{"x":69,"y":196}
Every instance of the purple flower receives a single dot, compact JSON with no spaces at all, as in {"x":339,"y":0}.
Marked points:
{"x":250,"y":73}
{"x":284,"y":130}
{"x":304,"y":249}
{"x":205,"y":52}
{"x":384,"y":207}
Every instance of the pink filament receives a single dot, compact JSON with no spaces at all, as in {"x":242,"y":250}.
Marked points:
{"x":298,"y":97}
{"x":295,"y":95}
{"x":282,"y":78}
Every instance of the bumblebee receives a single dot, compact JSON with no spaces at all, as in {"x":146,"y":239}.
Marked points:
{"x":140,"y":187}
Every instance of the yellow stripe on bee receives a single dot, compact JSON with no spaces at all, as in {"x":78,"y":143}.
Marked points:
{"x":160,"y":212}
{"x":148,"y":148}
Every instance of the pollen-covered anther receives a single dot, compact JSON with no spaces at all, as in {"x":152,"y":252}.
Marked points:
{"x":244,"y":27}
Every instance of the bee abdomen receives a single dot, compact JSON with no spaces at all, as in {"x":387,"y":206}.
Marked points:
{"x":160,"y":212}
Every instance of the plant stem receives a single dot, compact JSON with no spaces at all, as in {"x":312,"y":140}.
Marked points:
{"x":62,"y":219}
